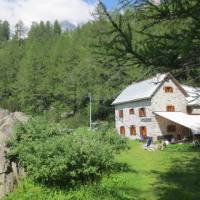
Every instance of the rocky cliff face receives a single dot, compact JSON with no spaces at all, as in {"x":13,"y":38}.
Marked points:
{"x":9,"y":172}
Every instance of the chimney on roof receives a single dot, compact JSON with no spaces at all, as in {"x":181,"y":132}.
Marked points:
{"x":156,"y":79}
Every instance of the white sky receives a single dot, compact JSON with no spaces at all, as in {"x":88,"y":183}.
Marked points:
{"x":75,"y":11}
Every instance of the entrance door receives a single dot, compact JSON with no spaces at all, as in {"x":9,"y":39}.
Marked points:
{"x":143,"y":131}
{"x":122,"y":130}
{"x":132,"y":130}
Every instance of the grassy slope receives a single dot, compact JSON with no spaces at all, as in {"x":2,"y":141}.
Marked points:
{"x":152,"y":176}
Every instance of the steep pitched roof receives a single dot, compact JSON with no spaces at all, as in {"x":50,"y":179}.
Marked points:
{"x":141,"y":90}
{"x":194,"y":95}
{"x":144,"y":89}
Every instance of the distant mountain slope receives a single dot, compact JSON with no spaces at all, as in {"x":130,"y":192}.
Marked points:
{"x":66,"y":25}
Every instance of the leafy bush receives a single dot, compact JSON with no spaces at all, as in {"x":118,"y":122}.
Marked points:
{"x":52,"y":155}
{"x":106,"y":136}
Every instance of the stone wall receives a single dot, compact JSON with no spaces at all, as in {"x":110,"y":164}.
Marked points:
{"x":163,"y":123}
{"x":161,"y":99}
{"x":9,"y":172}
{"x":159,"y":102}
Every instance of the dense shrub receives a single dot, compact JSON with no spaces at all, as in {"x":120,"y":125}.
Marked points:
{"x":53,"y":155}
{"x":106,"y":136}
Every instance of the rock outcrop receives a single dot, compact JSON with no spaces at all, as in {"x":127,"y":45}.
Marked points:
{"x":9,"y":172}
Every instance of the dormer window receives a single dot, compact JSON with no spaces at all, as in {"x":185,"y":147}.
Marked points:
{"x":142,"y":112}
{"x":131,"y":111}
{"x":121,"y":114}
{"x":168,"y":89}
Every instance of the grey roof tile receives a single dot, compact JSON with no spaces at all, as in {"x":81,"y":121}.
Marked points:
{"x":194,"y":94}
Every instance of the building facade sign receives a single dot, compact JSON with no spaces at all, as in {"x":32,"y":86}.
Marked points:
{"x":146,"y":120}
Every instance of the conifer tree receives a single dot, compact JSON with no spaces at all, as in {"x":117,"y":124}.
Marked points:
{"x":57,"y":28}
{"x":19,"y":31}
{"x":169,"y":32}
{"x":4,"y":31}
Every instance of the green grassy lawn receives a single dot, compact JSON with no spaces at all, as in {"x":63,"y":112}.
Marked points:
{"x":166,"y":175}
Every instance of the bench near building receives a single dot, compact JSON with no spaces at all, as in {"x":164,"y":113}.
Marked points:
{"x":158,"y":107}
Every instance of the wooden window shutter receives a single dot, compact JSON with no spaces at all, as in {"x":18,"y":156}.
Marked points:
{"x":143,"y":131}
{"x":168,"y":89}
{"x":142,"y":112}
{"x":122,"y":130}
{"x":132,"y":130}
{"x":170,"y":108}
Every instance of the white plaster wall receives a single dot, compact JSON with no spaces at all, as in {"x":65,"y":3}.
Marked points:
{"x":129,"y":120}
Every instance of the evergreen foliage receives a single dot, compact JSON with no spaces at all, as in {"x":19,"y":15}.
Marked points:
{"x":160,"y":35}
{"x":4,"y":31}
{"x":51,"y":72}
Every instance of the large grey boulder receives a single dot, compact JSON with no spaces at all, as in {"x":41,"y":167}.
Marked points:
{"x":10,"y":173}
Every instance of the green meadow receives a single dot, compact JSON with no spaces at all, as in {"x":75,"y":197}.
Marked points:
{"x":146,"y":175}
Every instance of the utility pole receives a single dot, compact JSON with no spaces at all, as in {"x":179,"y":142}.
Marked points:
{"x":90,"y":97}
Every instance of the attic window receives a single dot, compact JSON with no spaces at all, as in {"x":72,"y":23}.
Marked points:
{"x":168,"y":89}
{"x":142,"y":112}
{"x":121,"y":114}
{"x":131,"y":111}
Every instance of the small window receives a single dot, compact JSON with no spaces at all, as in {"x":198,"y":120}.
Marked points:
{"x":121,"y":114}
{"x":122,"y":130}
{"x":170,"y":108}
{"x":178,"y":137}
{"x":132,"y":130}
{"x":143,"y":131}
{"x":171,"y":128}
{"x":168,"y":89}
{"x":131,"y":111}
{"x":142,"y":112}
{"x":189,"y":110}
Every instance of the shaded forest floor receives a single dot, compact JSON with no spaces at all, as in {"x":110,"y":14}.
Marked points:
{"x":150,"y":175}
